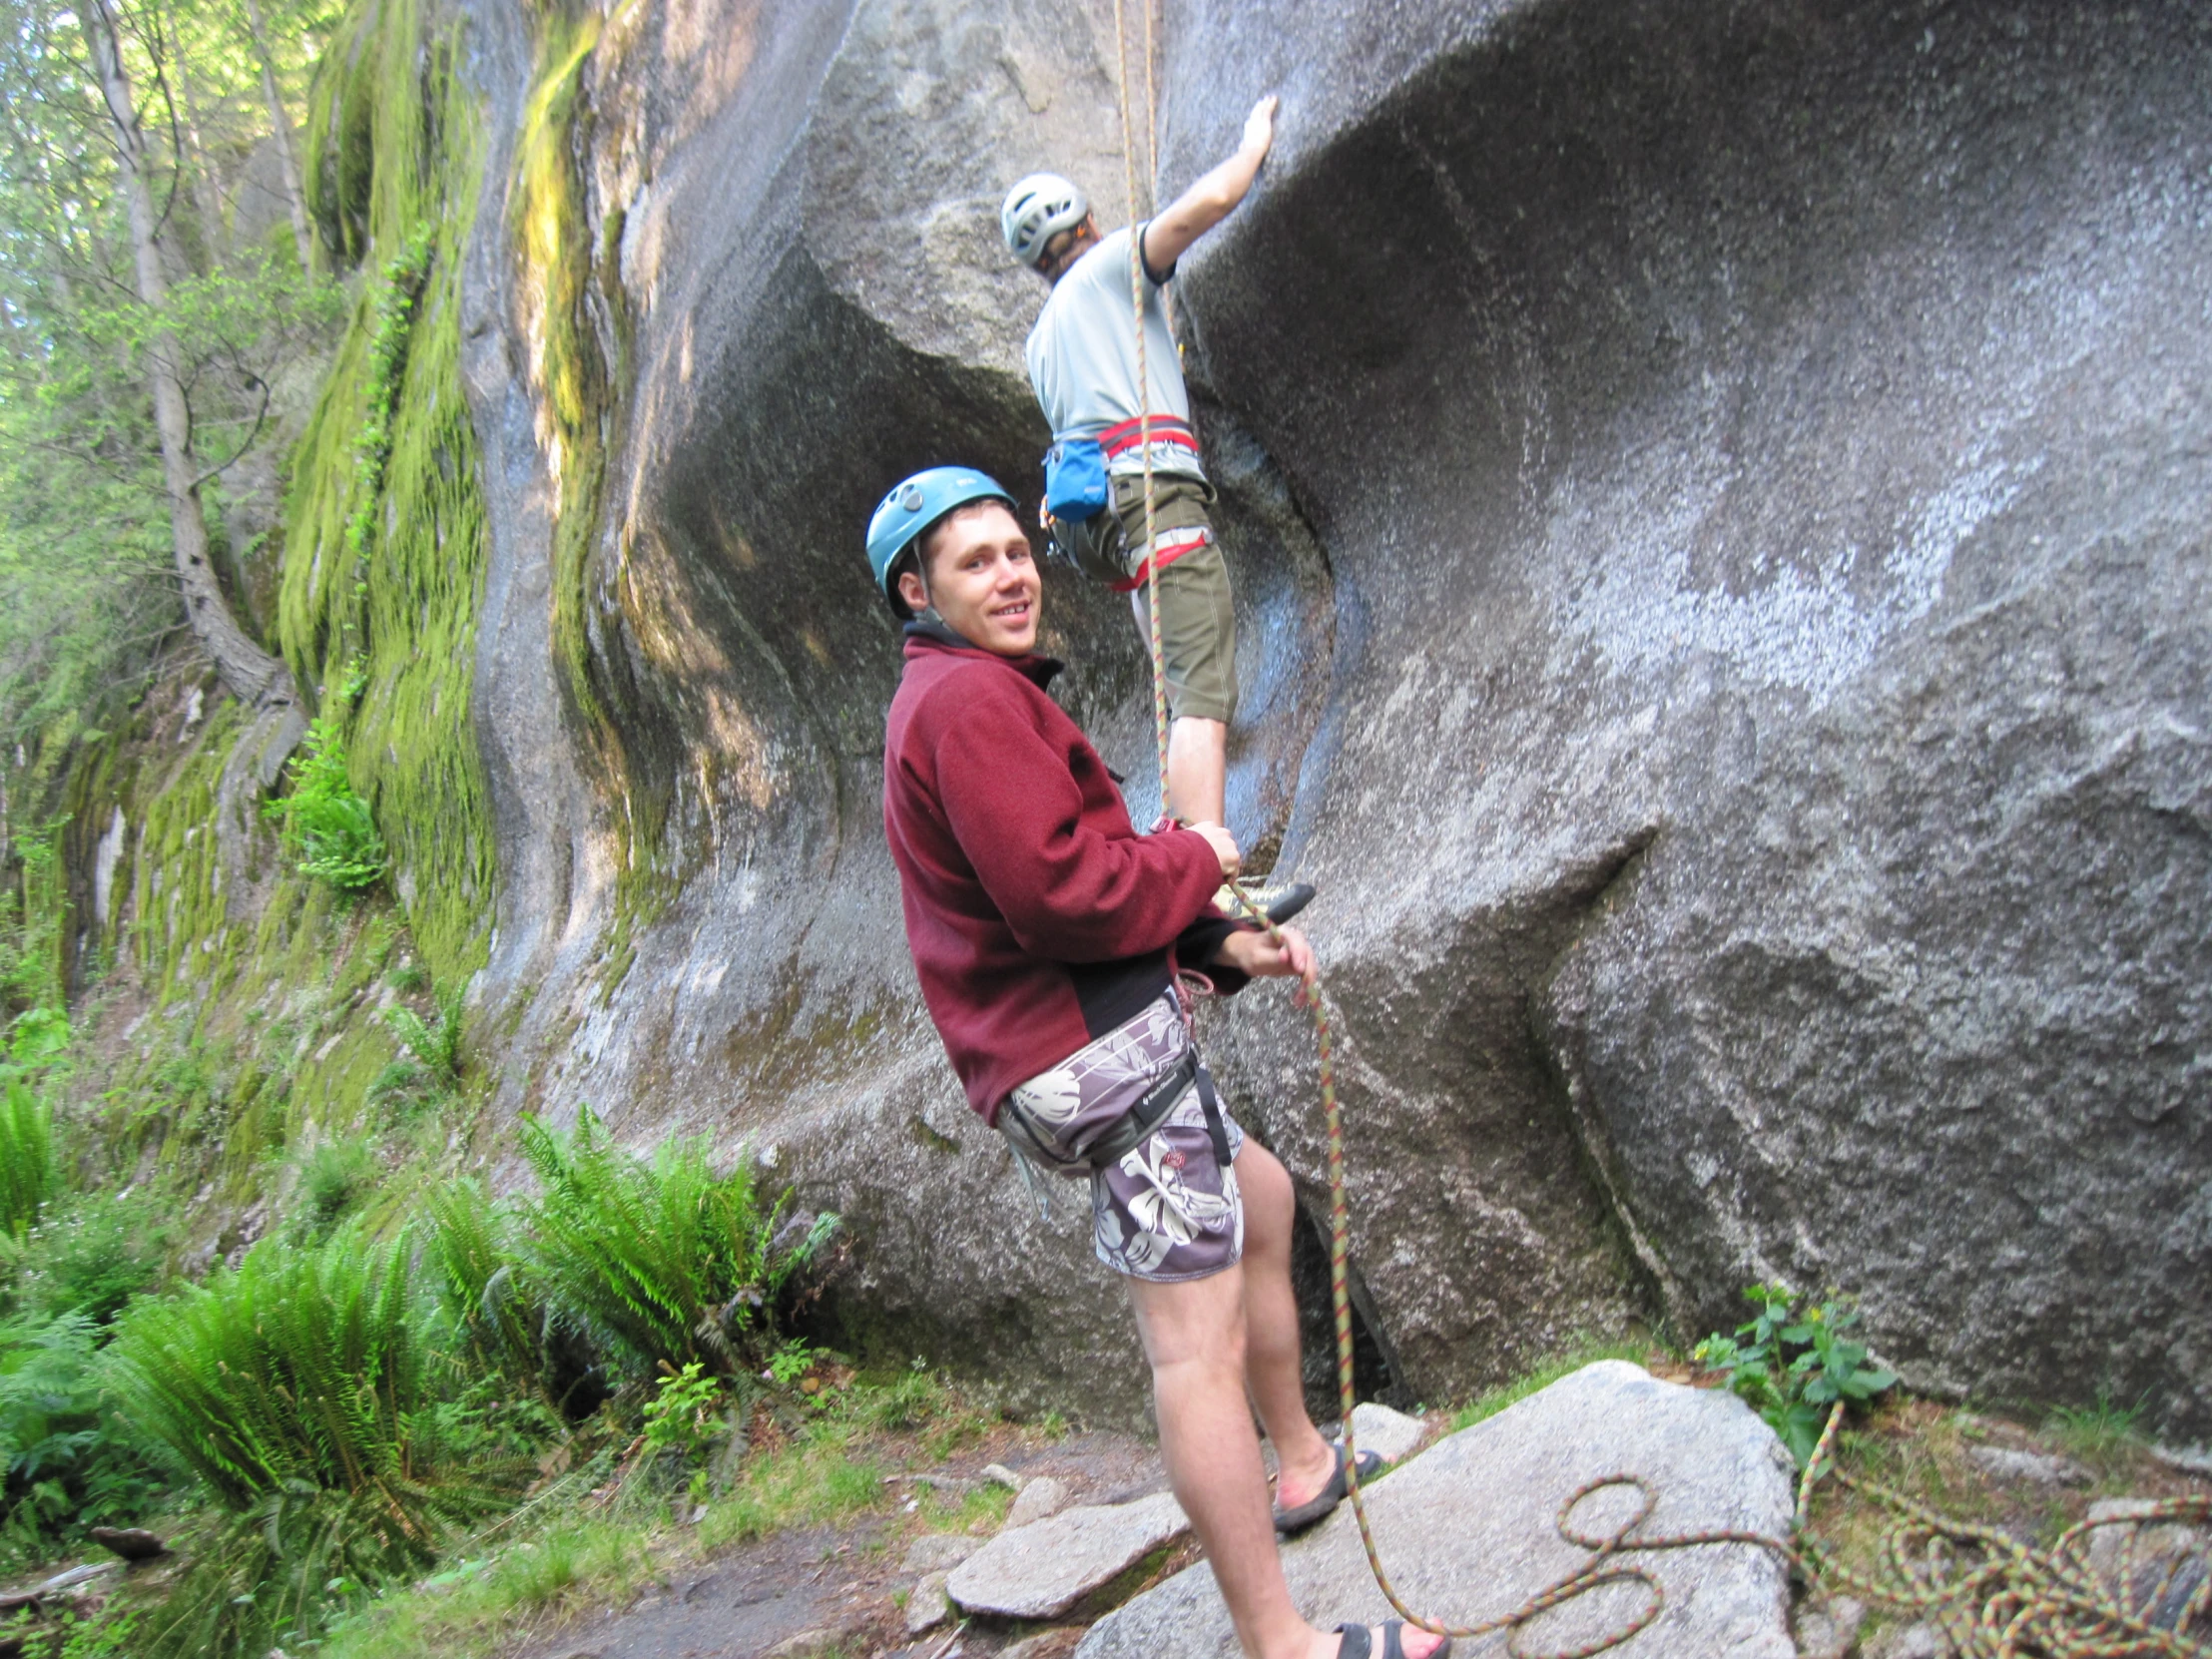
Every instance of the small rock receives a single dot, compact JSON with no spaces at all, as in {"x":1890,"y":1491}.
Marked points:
{"x":1004,"y":1475}
{"x":2154,"y":1565}
{"x":1828,"y":1630}
{"x":1909,"y":1641}
{"x":2003,"y":1463}
{"x":133,"y":1543}
{"x":939,"y":1552}
{"x":1040,"y":1571}
{"x":2188,"y":1459}
{"x":805,"y":1642}
{"x":928,"y":1606}
{"x":1390,"y":1435}
{"x":1040,"y":1497}
{"x":75,"y":1576}
{"x":1055,"y":1643}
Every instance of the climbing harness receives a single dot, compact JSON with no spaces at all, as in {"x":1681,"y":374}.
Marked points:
{"x":2012,"y":1602}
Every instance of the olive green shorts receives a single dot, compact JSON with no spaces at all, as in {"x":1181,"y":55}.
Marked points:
{"x":1198,"y":613}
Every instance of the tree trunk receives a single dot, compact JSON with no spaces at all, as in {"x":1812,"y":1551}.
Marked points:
{"x":205,"y":194}
{"x":281,"y":123}
{"x":254,"y":676}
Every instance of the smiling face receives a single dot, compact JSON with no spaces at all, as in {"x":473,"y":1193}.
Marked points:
{"x":982,"y":579}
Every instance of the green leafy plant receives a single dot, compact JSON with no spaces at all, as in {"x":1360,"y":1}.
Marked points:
{"x":334,"y":1177}
{"x":305,"y":1392}
{"x":2097,"y":1433}
{"x":794,"y":1360}
{"x":90,"y":1254}
{"x":31,"y":923}
{"x":328,"y":828}
{"x":1793,"y":1361}
{"x":685,"y":1411}
{"x":404,"y":275}
{"x":430,"y":1049}
{"x":659,"y":1262}
{"x":68,"y":1464}
{"x":27,"y":1175}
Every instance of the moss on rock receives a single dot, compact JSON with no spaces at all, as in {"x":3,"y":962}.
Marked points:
{"x":385,"y":564}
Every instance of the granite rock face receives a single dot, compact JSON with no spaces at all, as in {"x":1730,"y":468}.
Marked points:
{"x":1717,"y":499}
{"x":1466,"y":1531}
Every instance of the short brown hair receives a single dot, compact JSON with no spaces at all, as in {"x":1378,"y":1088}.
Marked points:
{"x":922,"y":549}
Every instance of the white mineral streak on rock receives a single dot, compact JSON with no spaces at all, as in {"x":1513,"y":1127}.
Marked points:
{"x":104,"y":859}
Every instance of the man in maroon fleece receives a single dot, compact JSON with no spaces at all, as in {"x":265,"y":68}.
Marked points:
{"x":1047,"y":936}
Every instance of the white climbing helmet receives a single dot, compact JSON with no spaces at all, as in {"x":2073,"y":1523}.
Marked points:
{"x":1039,"y":208}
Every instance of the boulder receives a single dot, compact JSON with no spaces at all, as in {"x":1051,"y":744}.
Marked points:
{"x":2154,"y":1564}
{"x":1829,"y":1628}
{"x":2035,"y":1467}
{"x":1055,"y":1643}
{"x":939,"y":1552}
{"x":1918,"y":1640}
{"x":133,"y":1543}
{"x":1390,"y":1435}
{"x":1716,"y":504}
{"x":1466,"y":1530}
{"x":1037,"y":1498}
{"x":927,"y":1605}
{"x":1040,"y":1571}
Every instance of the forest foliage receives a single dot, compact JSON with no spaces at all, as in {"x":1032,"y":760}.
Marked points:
{"x":89,"y":601}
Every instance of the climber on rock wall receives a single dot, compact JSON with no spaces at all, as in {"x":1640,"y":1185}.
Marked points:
{"x":1082,"y":357}
{"x":1051,"y":940}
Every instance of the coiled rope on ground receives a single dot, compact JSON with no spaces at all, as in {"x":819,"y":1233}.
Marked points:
{"x":1991,"y":1596}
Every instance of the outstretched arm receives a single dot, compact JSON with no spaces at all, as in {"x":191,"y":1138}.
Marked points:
{"x":1210,"y":201}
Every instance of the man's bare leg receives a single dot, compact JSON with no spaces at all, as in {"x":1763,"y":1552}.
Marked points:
{"x":1194,"y":1337}
{"x":1198,"y":752}
{"x":1198,"y":770}
{"x":1304,"y":1461}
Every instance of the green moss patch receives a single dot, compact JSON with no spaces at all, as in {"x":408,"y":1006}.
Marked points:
{"x":385,"y":526}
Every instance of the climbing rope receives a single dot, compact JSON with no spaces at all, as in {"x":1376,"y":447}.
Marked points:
{"x":1144,"y":380}
{"x":2007,"y":1602}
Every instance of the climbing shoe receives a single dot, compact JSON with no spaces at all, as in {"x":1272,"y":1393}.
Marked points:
{"x":1299,"y":1516}
{"x":1358,"y":1642}
{"x":1276,"y":903}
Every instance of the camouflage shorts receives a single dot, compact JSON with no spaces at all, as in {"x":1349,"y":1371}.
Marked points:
{"x":1167,"y":1210}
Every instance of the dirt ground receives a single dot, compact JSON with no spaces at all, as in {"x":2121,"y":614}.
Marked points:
{"x":832,"y":1588}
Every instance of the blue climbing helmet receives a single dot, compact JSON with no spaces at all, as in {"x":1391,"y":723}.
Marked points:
{"x":912,"y":508}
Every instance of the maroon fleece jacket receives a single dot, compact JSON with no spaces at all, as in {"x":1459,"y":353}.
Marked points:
{"x":1038,"y":917}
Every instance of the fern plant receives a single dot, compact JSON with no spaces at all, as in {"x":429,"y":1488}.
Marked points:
{"x":307,"y":1393}
{"x":471,"y":1247}
{"x":329,"y":828}
{"x":64,"y":1465}
{"x":662,"y":1262}
{"x":435,"y":1043}
{"x":26,"y":1153}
